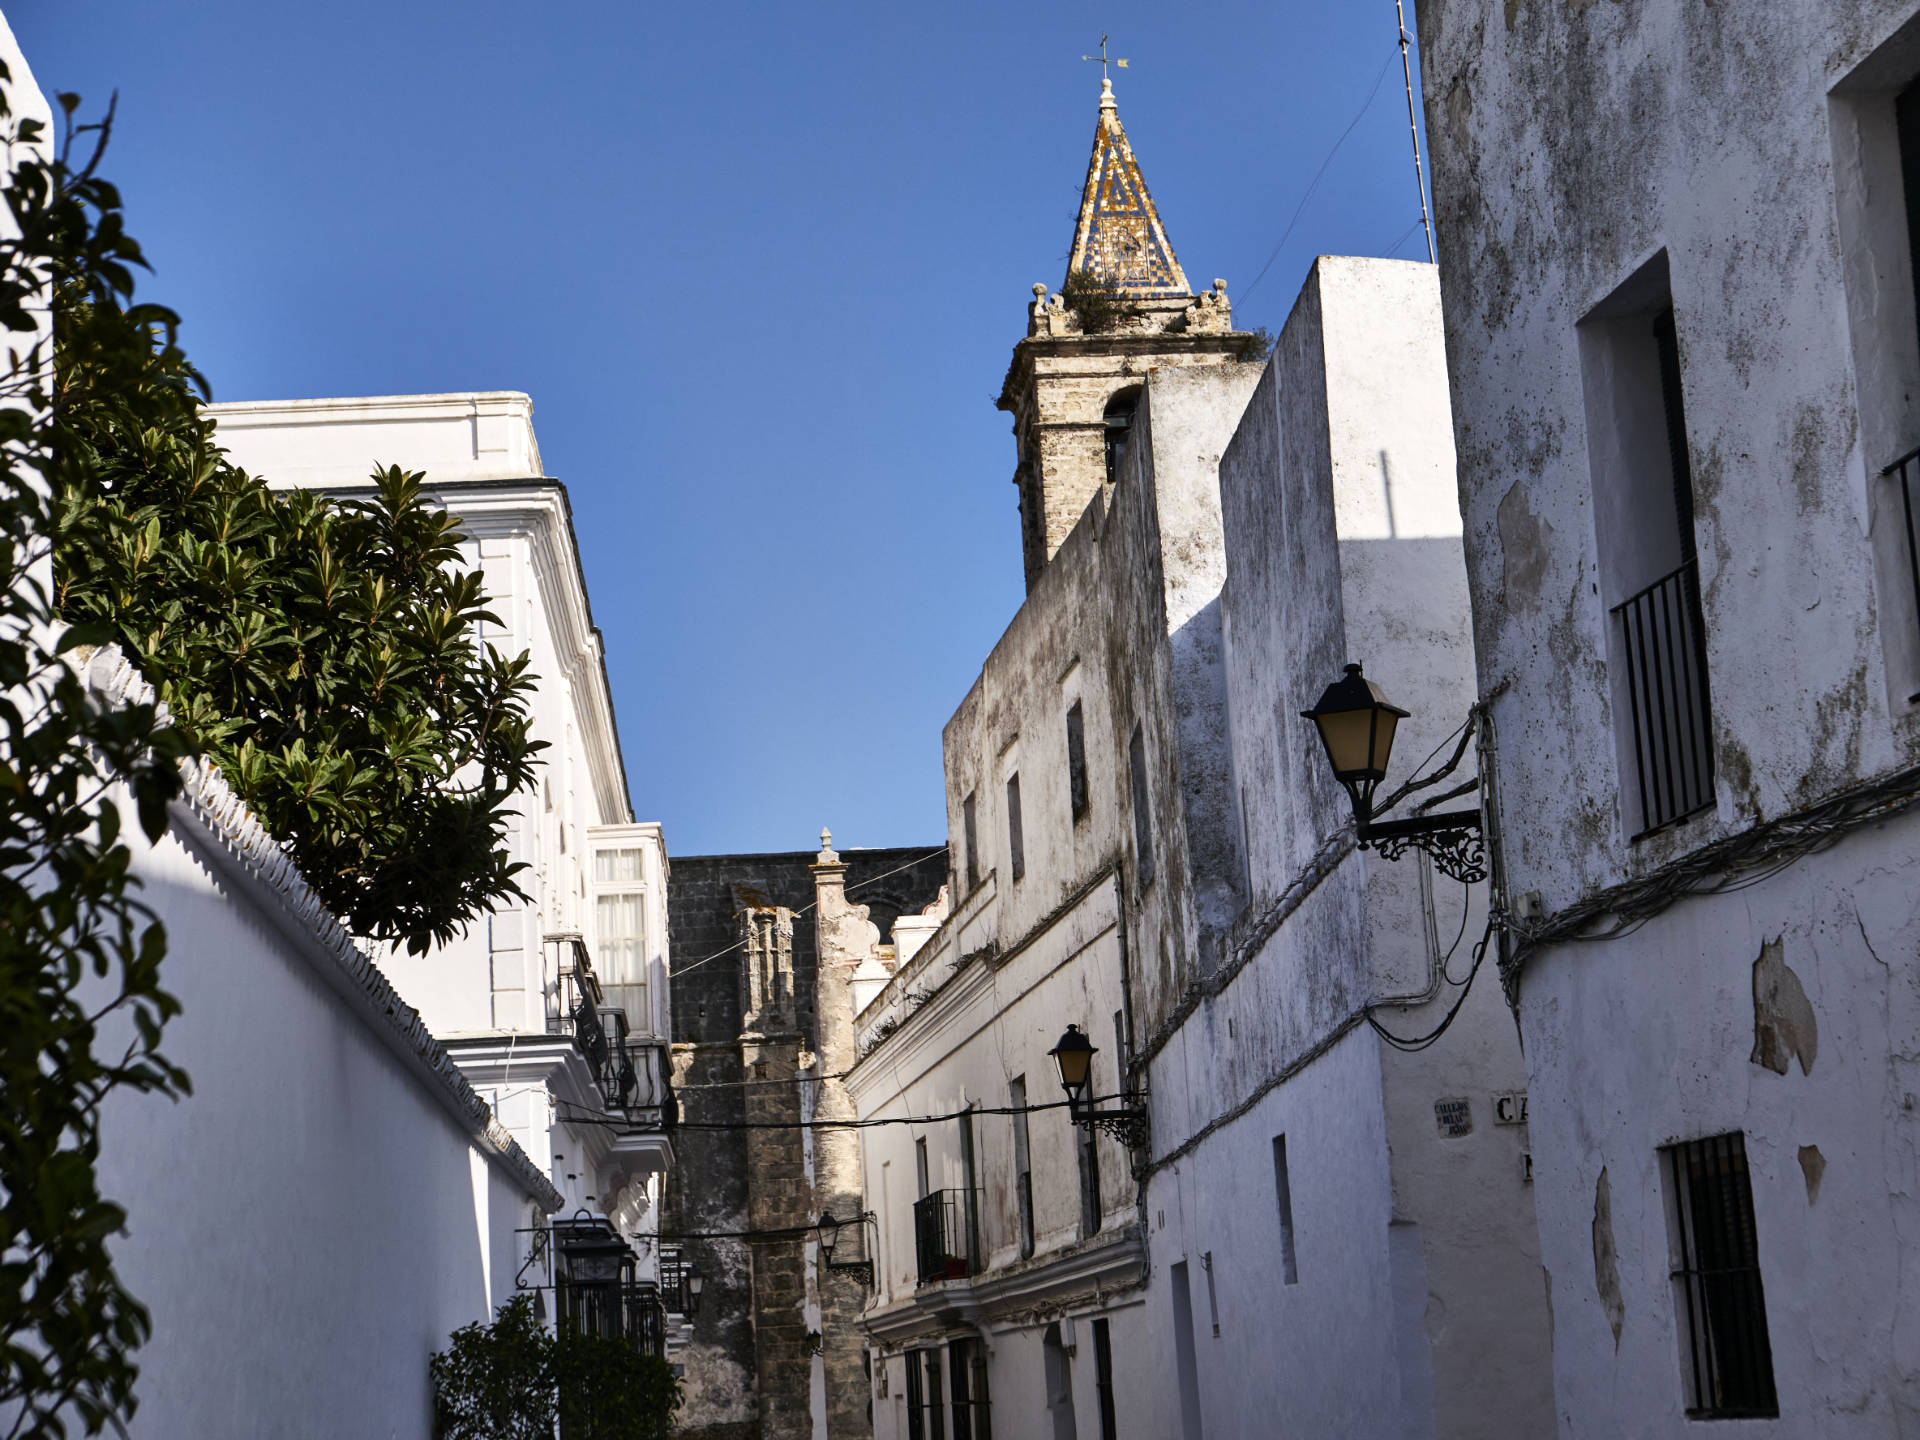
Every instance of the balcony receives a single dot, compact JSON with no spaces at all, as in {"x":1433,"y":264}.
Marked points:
{"x":943,"y":1236}
{"x":633,"y":1076}
{"x":1663,"y":644}
{"x":1905,"y":474}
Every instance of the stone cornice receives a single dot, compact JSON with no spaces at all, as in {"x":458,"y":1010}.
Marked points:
{"x":216,"y":824}
{"x":1120,"y":346}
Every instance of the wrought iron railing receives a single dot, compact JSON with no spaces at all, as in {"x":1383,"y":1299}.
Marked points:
{"x":941,"y":1240}
{"x":1905,"y":473}
{"x":1664,"y":646}
{"x":631,"y":1075}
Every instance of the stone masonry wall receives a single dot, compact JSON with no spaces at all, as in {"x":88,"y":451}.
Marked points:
{"x":747,"y":1373}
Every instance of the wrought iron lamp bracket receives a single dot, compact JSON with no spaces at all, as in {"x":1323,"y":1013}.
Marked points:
{"x":1453,"y":840}
{"x":1127,"y":1122}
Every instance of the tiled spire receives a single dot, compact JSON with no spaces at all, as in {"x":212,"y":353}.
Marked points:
{"x":1119,"y":236}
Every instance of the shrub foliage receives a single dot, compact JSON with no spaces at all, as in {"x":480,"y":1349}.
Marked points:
{"x":512,"y":1380}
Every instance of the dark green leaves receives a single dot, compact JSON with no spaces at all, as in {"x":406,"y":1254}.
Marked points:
{"x":323,"y":652}
{"x":512,"y":1380}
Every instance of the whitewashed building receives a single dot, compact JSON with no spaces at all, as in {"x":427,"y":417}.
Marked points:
{"x":555,"y":1008}
{"x":1147,"y":844}
{"x":1676,"y":247}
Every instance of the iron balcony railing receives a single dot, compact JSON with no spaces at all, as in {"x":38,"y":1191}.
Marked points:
{"x":632,"y":1075}
{"x":1664,"y":646}
{"x":1905,"y":473}
{"x":941,"y":1239}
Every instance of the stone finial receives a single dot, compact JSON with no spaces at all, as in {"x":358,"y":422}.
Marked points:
{"x":1106,"y":94}
{"x":1220,"y":285}
{"x":1040,"y":290}
{"x":826,"y":855}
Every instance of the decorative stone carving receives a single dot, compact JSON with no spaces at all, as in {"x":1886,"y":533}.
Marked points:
{"x":1210,"y":313}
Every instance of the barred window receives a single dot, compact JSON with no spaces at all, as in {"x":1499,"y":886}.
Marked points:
{"x":1720,"y":1308}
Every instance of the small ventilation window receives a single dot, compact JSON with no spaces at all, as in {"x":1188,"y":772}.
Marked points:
{"x":1016,"y":840}
{"x":1076,"y":761}
{"x":1118,"y":423}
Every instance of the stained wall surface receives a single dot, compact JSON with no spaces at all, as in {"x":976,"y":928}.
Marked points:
{"x":1592,"y":163}
{"x":715,"y":1188}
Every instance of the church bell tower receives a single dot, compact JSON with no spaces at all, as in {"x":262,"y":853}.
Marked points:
{"x":1124,"y":311}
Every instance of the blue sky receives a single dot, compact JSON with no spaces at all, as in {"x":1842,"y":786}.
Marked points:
{"x":760,"y":267}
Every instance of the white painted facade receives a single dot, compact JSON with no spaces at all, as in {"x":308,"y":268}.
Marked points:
{"x":1401,"y":1263}
{"x":333,"y":1199}
{"x":1266,"y":527}
{"x":499,"y":996}
{"x":1744,"y":170}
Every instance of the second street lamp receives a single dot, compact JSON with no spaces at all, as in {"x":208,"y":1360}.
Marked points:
{"x":829,"y":1229}
{"x":1073,"y":1056}
{"x":1357,"y":725}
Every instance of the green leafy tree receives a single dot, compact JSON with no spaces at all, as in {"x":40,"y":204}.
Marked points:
{"x":322,"y":651}
{"x":81,"y":1008}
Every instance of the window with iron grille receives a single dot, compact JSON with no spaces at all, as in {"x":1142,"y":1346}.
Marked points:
{"x":1720,"y":1307}
{"x":1643,"y":509}
{"x":972,"y":1409}
{"x":926,"y":1413}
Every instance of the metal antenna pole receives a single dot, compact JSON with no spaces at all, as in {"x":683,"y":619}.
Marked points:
{"x":1419,"y":176}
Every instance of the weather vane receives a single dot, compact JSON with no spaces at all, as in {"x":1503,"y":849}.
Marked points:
{"x":1104,"y":59}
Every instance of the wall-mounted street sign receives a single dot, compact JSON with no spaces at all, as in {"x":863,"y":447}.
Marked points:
{"x":1454,"y":1116}
{"x":1510,"y":1107}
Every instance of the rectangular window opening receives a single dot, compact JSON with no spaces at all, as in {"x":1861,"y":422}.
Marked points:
{"x":1016,"y":845}
{"x":619,"y":946}
{"x":1103,"y":1380}
{"x":1022,"y":1163}
{"x":1649,"y":567}
{"x":1142,"y":821}
{"x":1283,"y":1192}
{"x":1077,"y":761}
{"x":1903,"y":475}
{"x":1726,"y":1360}
{"x":967,"y":1368}
{"x":1087,"y":1139}
{"x":972,"y":837}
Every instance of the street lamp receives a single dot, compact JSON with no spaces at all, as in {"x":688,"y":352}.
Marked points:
{"x":828,"y":1228}
{"x":696,"y":1282}
{"x":1073,"y":1058}
{"x":1357,"y":724}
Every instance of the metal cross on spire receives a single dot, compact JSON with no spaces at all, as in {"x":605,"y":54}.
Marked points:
{"x":1105,"y":59}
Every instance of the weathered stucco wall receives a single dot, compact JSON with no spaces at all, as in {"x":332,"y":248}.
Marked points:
{"x":1571,"y":144}
{"x":1575,"y":147}
{"x":1342,"y":544}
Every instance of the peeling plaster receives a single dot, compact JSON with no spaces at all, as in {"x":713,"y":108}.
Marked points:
{"x":1783,"y":1022}
{"x":1606,"y":1259}
{"x":1813,"y":1165}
